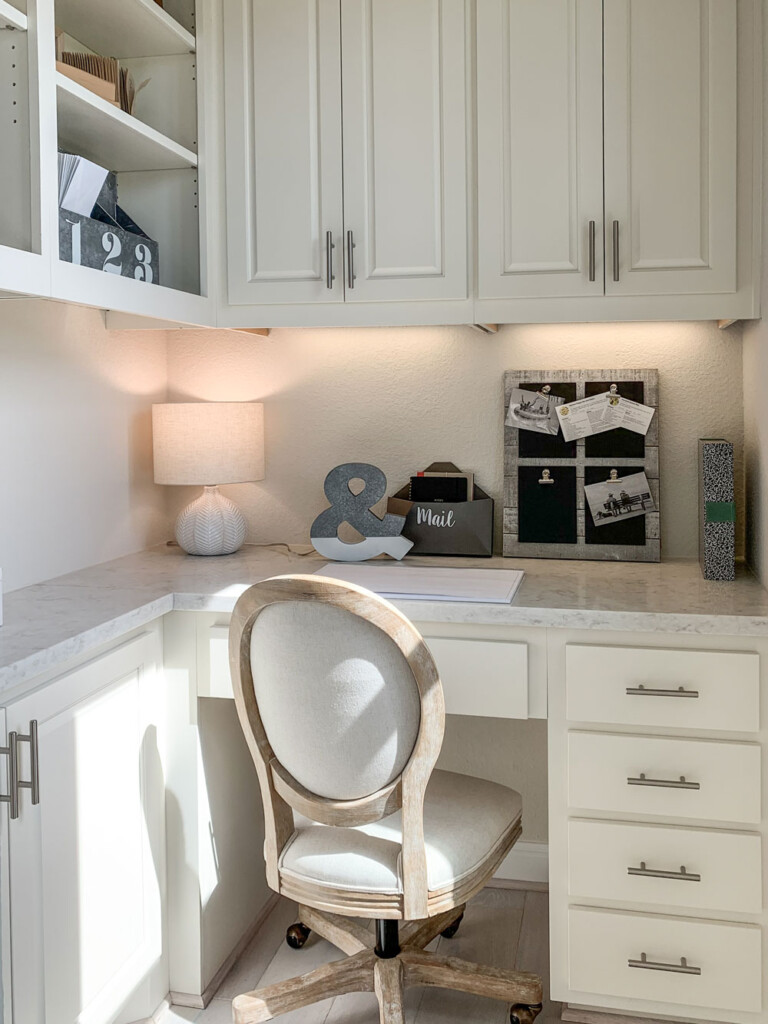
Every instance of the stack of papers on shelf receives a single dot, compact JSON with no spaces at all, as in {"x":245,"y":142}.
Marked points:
{"x":423,"y":583}
{"x":80,"y":182}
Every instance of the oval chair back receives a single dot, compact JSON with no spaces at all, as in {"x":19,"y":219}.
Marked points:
{"x":342,"y":709}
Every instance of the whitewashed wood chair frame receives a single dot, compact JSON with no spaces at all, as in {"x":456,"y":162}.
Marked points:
{"x":331,"y":911}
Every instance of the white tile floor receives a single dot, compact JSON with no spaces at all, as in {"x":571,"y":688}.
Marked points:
{"x":502,"y":927}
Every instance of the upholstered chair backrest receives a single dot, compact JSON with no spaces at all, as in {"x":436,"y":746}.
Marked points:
{"x":337,"y":698}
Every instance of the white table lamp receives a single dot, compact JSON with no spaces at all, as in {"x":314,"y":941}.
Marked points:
{"x":209,"y":443}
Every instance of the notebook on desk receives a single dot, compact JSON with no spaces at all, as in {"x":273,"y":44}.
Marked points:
{"x":400,"y":581}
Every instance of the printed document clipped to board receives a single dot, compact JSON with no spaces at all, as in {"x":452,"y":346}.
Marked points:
{"x":599,"y":413}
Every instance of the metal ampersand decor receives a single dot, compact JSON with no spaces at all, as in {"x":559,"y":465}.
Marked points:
{"x":382,"y":536}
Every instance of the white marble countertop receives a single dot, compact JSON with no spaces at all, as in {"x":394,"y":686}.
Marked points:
{"x":50,"y":623}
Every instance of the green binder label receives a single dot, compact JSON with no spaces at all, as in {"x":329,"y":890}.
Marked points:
{"x":720,"y":512}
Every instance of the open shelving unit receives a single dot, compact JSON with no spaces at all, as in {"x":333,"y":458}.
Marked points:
{"x":153,"y":150}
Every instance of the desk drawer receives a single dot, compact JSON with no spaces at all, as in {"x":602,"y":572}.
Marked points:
{"x":601,"y":944}
{"x":723,"y":870}
{"x":721,"y":780}
{"x":649,"y":686}
{"x":482,"y":677}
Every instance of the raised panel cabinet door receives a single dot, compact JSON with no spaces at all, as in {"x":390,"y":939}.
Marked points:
{"x":283,"y":151}
{"x":670,"y":146}
{"x":539,"y":148}
{"x":405,"y":149}
{"x":87,"y":863}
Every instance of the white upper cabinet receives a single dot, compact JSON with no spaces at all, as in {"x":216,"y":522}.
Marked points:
{"x":379,"y":217}
{"x":540,"y":148}
{"x":670,"y":146}
{"x":616,"y":170}
{"x":283,"y":154}
{"x":405,"y":182}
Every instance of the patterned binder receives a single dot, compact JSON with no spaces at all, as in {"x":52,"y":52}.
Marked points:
{"x":717,"y":512}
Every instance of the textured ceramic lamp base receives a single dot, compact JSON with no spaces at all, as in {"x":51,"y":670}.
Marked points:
{"x":211,"y":525}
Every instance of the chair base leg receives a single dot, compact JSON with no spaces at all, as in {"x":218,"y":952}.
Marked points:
{"x":365,"y":971}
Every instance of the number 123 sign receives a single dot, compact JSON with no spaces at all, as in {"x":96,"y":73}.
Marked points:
{"x":91,"y":243}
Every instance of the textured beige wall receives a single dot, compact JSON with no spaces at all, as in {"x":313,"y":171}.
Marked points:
{"x":401,"y":398}
{"x":75,"y":440}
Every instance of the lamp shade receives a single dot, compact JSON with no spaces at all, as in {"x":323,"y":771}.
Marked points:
{"x":208,"y":442}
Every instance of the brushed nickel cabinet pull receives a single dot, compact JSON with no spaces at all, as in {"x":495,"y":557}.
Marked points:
{"x":681,"y":876}
{"x":615,"y":250}
{"x":14,"y":782}
{"x":663,"y":783}
{"x":329,"y":247}
{"x":350,"y":260}
{"x":591,"y":250}
{"x":650,"y":691}
{"x":652,"y":965}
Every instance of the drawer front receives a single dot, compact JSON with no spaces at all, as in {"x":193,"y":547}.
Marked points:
{"x":680,"y":689}
{"x":722,"y":780}
{"x":601,"y":945}
{"x":629,"y":863}
{"x":482,"y":677}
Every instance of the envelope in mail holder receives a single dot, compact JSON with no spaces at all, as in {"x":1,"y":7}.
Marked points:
{"x":446,"y":528}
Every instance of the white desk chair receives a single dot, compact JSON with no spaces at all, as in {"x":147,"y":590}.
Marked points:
{"x":342,"y":709}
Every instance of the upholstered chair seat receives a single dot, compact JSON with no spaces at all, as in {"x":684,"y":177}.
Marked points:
{"x":465,"y":821}
{"x":342,"y":708}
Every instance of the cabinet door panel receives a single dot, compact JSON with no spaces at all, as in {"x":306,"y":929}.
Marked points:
{"x":87,"y":864}
{"x":540,"y":148}
{"x":283,"y":149}
{"x":405,"y":152}
{"x":670,"y":145}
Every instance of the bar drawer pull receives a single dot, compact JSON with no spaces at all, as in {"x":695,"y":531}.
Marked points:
{"x":616,"y":261}
{"x":663,"y":783}
{"x":591,"y":250}
{"x":329,"y":247}
{"x":351,"y":260}
{"x":15,"y":784}
{"x":650,"y":691}
{"x":652,"y":965}
{"x":682,"y":875}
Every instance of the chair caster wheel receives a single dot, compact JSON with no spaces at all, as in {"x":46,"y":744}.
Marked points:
{"x":297,"y":935}
{"x":524,"y":1014}
{"x":451,"y":930}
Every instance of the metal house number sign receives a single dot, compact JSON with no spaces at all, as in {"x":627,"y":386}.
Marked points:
{"x":133,"y":261}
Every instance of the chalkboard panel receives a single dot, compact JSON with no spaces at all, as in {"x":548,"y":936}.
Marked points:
{"x":625,"y":531}
{"x":621,"y":443}
{"x":548,"y":446}
{"x":547,"y":512}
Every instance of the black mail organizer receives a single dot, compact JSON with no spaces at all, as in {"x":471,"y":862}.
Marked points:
{"x":553,"y":520}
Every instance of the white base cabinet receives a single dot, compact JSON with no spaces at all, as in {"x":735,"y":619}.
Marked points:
{"x":84,"y":906}
{"x":657,"y":825}
{"x":138,"y":873}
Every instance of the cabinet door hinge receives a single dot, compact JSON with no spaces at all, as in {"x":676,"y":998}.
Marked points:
{"x":15,"y":784}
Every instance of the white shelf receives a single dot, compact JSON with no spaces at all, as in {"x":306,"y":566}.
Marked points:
{"x":124,"y":28}
{"x":10,"y":17}
{"x":101,"y":132}
{"x":88,"y":287}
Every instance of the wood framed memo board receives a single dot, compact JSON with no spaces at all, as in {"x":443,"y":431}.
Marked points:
{"x":554,"y":520}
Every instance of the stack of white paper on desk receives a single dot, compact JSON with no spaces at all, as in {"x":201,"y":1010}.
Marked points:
{"x":424,"y":583}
